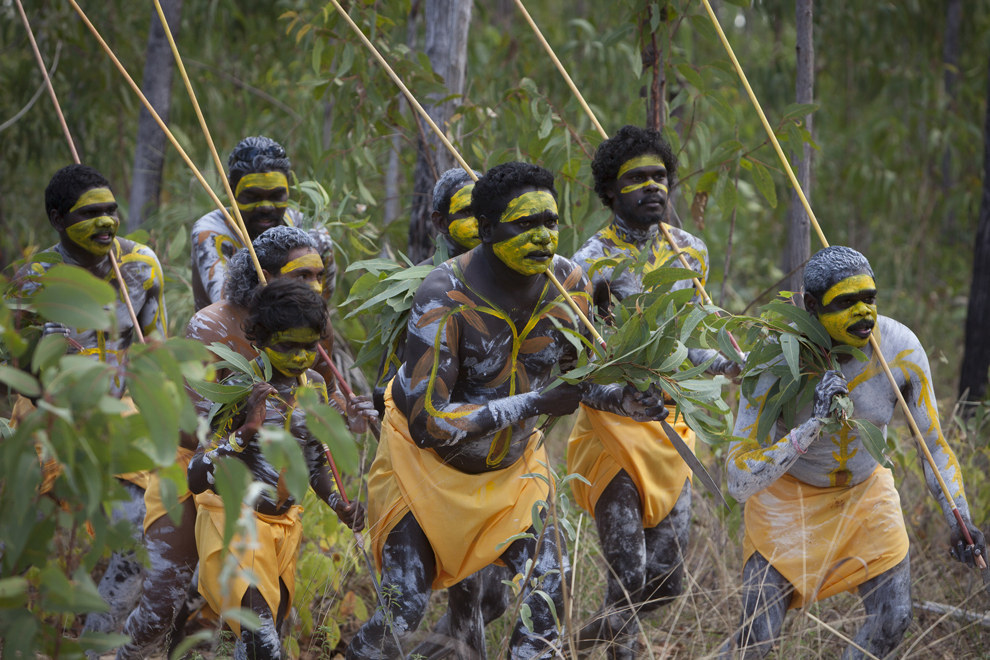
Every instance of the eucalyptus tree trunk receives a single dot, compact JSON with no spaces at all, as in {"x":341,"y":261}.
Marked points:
{"x":447,"y":23}
{"x":149,"y":152}
{"x":976,"y":350}
{"x":798,"y":225}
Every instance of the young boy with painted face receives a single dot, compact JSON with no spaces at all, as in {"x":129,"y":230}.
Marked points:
{"x":821,"y":516}
{"x":286,"y":321}
{"x":82,"y":209}
{"x":640,"y":489}
{"x":284,"y":253}
{"x":258,"y":171}
{"x":448,"y":485}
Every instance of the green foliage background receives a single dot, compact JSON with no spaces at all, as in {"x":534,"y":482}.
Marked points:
{"x":292,"y":70}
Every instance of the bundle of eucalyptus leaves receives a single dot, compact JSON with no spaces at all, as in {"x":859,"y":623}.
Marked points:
{"x":647,"y":341}
{"x":797,"y":350}
{"x":385,"y":292}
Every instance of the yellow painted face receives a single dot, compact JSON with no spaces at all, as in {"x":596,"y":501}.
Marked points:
{"x":292,"y":351}
{"x":532,"y":240}
{"x":262,"y":190}
{"x":464,"y":229}
{"x":849,"y":310}
{"x":308,"y":267}
{"x":650,"y":161}
{"x":91,"y":226}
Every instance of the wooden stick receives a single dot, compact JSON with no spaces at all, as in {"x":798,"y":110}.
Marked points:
{"x":239,"y":220}
{"x":705,"y":298}
{"x":457,"y":156}
{"x":916,"y":432}
{"x":158,"y":120}
{"x":124,"y":293}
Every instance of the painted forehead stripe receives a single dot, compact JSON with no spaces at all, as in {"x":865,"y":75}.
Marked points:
{"x":263,"y":180}
{"x":849,"y":285}
{"x":461,"y":199}
{"x":646,"y":160}
{"x":298,"y":335}
{"x":530,"y":203}
{"x":93,"y":196}
{"x":308,"y":260}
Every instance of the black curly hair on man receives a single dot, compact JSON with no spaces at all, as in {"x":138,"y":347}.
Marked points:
{"x":284,"y":304}
{"x":494,"y":191}
{"x":68,"y":184}
{"x":256,"y":153}
{"x":629,"y":142}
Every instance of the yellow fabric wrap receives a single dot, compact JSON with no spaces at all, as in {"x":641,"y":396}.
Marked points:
{"x":838,"y":536}
{"x":275,"y":556}
{"x":465,"y":516}
{"x":51,"y":469}
{"x":602,"y":443}
{"x":154,"y":508}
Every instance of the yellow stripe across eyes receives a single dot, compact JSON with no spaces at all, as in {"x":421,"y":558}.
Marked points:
{"x":646,"y":160}
{"x":263,"y":180}
{"x":527,"y":204}
{"x":636,"y":186}
{"x":461,"y":199}
{"x":849,"y":285}
{"x":93,"y":196}
{"x":309,"y":260}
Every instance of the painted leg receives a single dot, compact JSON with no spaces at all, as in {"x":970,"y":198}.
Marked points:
{"x":263,"y":643}
{"x":460,"y":631}
{"x":120,"y":585}
{"x":619,"y":518}
{"x":665,"y":545}
{"x":544,"y":640}
{"x":172,"y":561}
{"x":766,"y":595}
{"x":408,"y":568}
{"x":887,"y":600}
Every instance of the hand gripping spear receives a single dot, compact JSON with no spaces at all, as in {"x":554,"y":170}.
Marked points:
{"x":916,"y":432}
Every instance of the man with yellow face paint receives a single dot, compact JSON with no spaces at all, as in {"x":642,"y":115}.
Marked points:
{"x":258,"y":171}
{"x":286,"y":320}
{"x":82,"y":209}
{"x":451,"y":487}
{"x":640,"y":490}
{"x":821,"y":515}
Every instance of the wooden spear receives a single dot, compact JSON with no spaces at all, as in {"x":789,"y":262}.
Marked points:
{"x":124,"y":293}
{"x":919,"y":438}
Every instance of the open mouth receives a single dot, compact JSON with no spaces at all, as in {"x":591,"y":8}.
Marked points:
{"x":540,"y":255}
{"x":652,"y":201}
{"x":102,"y":237}
{"x":861,"y":329}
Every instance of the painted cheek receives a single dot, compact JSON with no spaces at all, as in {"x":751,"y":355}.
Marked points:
{"x":83,"y":231}
{"x":513,"y":252}
{"x":465,"y":232}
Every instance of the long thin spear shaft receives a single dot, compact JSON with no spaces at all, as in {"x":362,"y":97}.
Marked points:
{"x":457,"y":156}
{"x":158,"y":120}
{"x":239,"y":221}
{"x":919,"y":438}
{"x":124,"y":293}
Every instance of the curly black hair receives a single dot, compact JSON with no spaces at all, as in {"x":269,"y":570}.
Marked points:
{"x":494,"y":191}
{"x":256,"y":153}
{"x":281,"y":305}
{"x":629,"y":142}
{"x":68,"y":184}
{"x":831,"y":265}
{"x":272,"y":248}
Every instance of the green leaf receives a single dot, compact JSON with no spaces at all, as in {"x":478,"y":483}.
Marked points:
{"x":20,"y":381}
{"x":220,"y":392}
{"x":59,"y":594}
{"x":232,"y":482}
{"x":764,"y":183}
{"x":283,"y":451}
{"x":792,"y":354}
{"x":329,"y":428}
{"x":232,"y":357}
{"x":48,"y":352}
{"x":874,"y":440}
{"x":798,"y":111}
{"x":75,"y":298}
